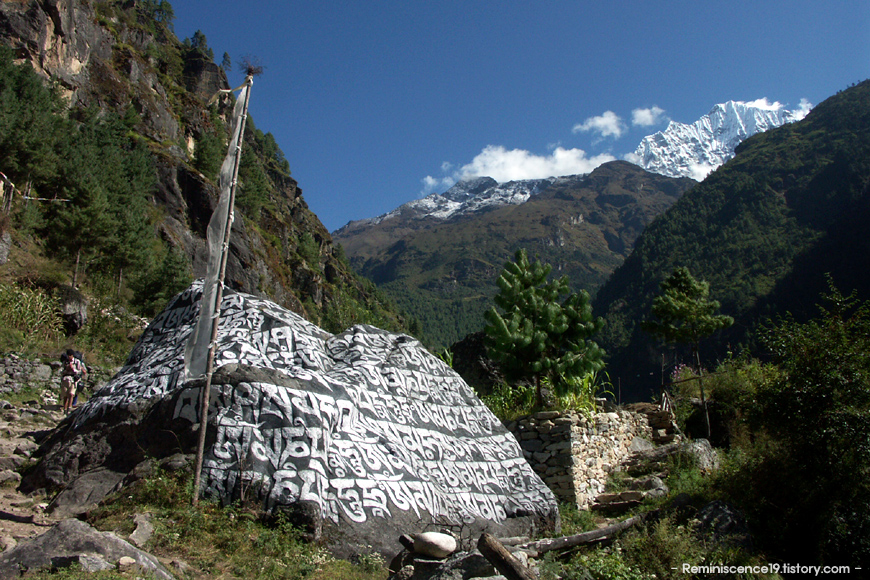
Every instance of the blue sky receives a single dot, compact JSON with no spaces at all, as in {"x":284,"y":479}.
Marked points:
{"x":380,"y":102}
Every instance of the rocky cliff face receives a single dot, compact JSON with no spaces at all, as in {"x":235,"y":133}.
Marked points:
{"x":119,"y":58}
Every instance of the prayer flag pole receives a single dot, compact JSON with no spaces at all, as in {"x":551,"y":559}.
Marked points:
{"x":233,"y":156}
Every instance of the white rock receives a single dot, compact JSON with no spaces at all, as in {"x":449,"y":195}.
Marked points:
{"x":434,"y":544}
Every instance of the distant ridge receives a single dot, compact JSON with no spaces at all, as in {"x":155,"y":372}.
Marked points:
{"x":439,"y":257}
{"x":682,"y":150}
{"x":465,"y":197}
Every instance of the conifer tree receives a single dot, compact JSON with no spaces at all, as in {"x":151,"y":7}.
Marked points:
{"x":540,"y":334}
{"x":686,"y":315}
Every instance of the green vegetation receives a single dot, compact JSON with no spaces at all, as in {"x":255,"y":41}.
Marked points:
{"x":99,"y":175}
{"x":102,"y":174}
{"x":794,"y":437}
{"x":684,"y":314}
{"x":542,"y":336}
{"x":215,"y":541}
{"x":445,"y":271}
{"x":26,"y":311}
{"x":797,"y":431}
{"x":762,"y":230}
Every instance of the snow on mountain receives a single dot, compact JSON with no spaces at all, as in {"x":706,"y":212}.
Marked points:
{"x":468,"y":196}
{"x":681,"y":150}
{"x":695,"y":150}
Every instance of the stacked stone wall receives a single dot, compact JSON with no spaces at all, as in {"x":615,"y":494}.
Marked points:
{"x":574,"y":454}
{"x":17,"y":373}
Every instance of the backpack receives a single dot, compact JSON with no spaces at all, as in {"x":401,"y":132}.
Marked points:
{"x":81,"y":358}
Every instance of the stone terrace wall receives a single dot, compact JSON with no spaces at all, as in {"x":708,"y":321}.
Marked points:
{"x":574,"y":454}
{"x":17,"y":372}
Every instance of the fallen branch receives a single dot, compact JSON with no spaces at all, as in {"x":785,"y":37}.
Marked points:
{"x":505,"y":562}
{"x":549,"y":544}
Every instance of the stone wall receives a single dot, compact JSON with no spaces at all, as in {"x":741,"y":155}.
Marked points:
{"x":17,"y":372}
{"x":575,"y":454}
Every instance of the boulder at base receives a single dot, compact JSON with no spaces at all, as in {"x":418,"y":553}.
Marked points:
{"x":363,"y":436}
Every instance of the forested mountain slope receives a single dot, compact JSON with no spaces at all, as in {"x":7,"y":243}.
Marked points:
{"x":763,"y":230}
{"x":445,"y":270}
{"x":126,"y":134}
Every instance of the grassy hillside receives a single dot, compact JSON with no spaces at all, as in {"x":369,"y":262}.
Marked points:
{"x":762,"y":230}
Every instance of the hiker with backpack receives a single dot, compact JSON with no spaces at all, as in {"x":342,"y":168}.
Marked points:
{"x":70,"y":375}
{"x":84,"y":368}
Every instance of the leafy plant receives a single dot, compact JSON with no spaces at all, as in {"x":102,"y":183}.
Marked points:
{"x":818,"y":411}
{"x":31,"y":312}
{"x":446,"y":356}
{"x":580,"y":393}
{"x":508,"y":402}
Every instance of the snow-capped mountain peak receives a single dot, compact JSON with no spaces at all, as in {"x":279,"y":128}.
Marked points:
{"x":462,"y":191}
{"x":695,"y":150}
{"x":465,"y":197}
{"x":682,"y":150}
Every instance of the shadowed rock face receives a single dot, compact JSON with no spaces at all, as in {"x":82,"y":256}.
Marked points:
{"x":366,"y":430}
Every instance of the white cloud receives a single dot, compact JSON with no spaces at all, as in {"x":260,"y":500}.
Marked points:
{"x":633,"y":158}
{"x":699,"y":171}
{"x":609,"y":124}
{"x":511,"y":164}
{"x":504,"y":165}
{"x":803,"y":109}
{"x":763,"y":103}
{"x":438,"y":184}
{"x":647,"y":117}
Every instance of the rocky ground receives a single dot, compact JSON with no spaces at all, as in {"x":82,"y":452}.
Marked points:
{"x":21,"y":426}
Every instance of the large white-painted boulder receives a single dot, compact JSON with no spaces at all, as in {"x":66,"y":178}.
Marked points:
{"x":363,"y":435}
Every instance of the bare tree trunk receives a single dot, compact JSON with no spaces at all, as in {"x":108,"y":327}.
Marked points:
{"x":549,"y":544}
{"x":76,"y":269}
{"x":701,"y":387}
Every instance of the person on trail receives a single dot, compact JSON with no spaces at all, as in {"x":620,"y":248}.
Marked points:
{"x":84,"y":372}
{"x":70,"y":375}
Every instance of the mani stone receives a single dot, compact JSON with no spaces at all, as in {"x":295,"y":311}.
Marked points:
{"x":356,"y":437}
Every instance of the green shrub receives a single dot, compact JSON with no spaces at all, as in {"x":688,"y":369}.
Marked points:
{"x":660,"y":549}
{"x":592,"y":564}
{"x":575,"y":521}
{"x":578,"y":393}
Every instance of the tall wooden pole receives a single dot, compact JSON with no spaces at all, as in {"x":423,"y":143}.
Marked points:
{"x":205,"y":393}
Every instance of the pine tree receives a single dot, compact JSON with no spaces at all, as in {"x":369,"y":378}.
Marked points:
{"x":541,"y":335}
{"x":686,"y":315}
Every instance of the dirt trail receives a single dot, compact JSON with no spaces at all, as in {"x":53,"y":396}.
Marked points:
{"x":21,"y":516}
